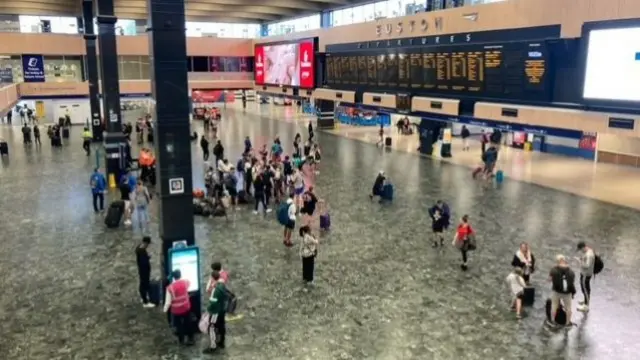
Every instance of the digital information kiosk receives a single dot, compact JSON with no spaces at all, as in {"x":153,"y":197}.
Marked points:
{"x":187,"y":260}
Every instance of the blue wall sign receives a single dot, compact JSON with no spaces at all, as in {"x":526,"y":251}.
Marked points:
{"x":504,"y":126}
{"x":621,"y":123}
{"x":33,"y":68}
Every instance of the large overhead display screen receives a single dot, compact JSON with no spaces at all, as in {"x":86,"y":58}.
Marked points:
{"x":509,"y":70}
{"x":612,"y":71}
{"x":290,"y":64}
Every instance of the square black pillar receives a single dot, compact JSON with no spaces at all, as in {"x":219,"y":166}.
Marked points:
{"x":114,"y":140}
{"x":170,"y":90}
{"x":326,"y":114}
{"x":92,"y":69}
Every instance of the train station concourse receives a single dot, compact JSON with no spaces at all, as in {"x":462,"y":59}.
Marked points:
{"x":319,"y":179}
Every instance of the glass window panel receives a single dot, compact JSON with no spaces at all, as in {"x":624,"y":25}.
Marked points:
{"x":368,"y":11}
{"x":145,"y":67}
{"x":337,"y":18}
{"x":130,"y":67}
{"x":393,"y":8}
{"x":126,"y":27}
{"x":72,"y":69}
{"x":381,"y":9}
{"x":53,"y":68}
{"x":347,"y":17}
{"x":14,"y":63}
{"x":29,"y":24}
{"x":200,"y":64}
{"x":358,"y":14}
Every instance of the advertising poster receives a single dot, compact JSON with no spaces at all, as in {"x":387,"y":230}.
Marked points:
{"x":33,"y":68}
{"x":259,"y":65}
{"x":307,"y":60}
{"x":588,"y":141}
{"x":282,"y":66}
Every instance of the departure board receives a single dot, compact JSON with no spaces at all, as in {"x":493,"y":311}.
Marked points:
{"x":517,"y":70}
{"x":404,"y":70}
{"x":382,"y":70}
{"x":372,"y":70}
{"x":353,"y":70}
{"x":415,"y":69}
{"x":362,"y":70}
{"x":330,"y":70}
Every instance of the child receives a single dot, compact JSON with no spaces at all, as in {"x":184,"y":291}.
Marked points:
{"x":516,"y":284}
{"x":325,"y":218}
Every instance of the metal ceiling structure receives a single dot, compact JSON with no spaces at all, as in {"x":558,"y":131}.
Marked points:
{"x":224,"y":11}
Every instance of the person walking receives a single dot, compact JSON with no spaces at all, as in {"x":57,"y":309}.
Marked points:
{"x":465,"y":134}
{"x":217,"y":309}
{"x":144,"y":271}
{"x":204,"y":144}
{"x":308,"y":253}
{"x":218,"y":152}
{"x":587,"y":262}
{"x":141,"y":200}
{"x":86,"y":140}
{"x":177,"y":302}
{"x":562,"y":289}
{"x":98,"y":185}
{"x":9,"y":116}
{"x":36,"y":135}
{"x":463,"y":240}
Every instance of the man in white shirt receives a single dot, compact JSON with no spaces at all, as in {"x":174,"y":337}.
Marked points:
{"x":291,"y":225}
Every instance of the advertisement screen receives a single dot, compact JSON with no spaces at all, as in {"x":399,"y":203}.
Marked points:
{"x":290,"y":64}
{"x":612,"y":70}
{"x":187,"y":261}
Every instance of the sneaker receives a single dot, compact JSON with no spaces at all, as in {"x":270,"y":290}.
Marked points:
{"x":209,"y":351}
{"x":148,"y":305}
{"x":255,"y":212}
{"x":127,"y":222}
{"x":581,"y":303}
{"x":583,"y":308}
{"x":464,"y":267}
{"x":268,"y":211}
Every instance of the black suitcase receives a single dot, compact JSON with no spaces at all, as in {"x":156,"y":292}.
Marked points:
{"x":155,"y":292}
{"x":387,"y":141}
{"x":4,"y":148}
{"x":65,"y":132}
{"x":114,"y":214}
{"x":150,"y":137}
{"x":529,"y":296}
{"x":561,"y":315}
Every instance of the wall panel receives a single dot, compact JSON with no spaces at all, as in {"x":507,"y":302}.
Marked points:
{"x":429,"y":105}
{"x":383,"y":100}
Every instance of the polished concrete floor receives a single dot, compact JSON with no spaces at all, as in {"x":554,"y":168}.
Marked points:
{"x":70,"y":288}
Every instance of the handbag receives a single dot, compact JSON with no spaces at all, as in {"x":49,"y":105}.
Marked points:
{"x":203,"y":324}
{"x":470,"y":243}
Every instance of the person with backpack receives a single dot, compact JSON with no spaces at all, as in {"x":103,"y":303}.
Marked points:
{"x":141,"y":200}
{"x":216,"y":311}
{"x":562,"y":289}
{"x":439,"y":221}
{"x":587,"y":271}
{"x":287,"y":218}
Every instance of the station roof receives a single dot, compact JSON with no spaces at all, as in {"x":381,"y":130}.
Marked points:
{"x":225,"y":11}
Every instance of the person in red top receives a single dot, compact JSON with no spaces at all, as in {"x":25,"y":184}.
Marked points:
{"x":178,"y":302}
{"x":462,"y":239}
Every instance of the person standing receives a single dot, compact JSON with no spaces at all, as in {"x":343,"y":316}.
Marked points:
{"x":86,"y":140}
{"x":98,"y":185}
{"x":141,"y":200}
{"x":26,"y":134}
{"x":144,"y":271}
{"x":218,"y":152}
{"x":516,"y":284}
{"x":178,"y":302}
{"x":308,"y":253}
{"x":524,"y":260}
{"x":311,"y":134}
{"x":204,"y":144}
{"x":587,"y":262}
{"x":562,"y":288}
{"x":9,"y":116}
{"x":259,"y":192}
{"x":439,"y":221}
{"x":36,"y":135}
{"x":217,"y":309}
{"x":465,"y":134}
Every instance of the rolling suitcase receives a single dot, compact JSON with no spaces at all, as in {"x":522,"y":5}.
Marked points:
{"x":387,"y":141}
{"x":65,"y":132}
{"x":114,"y":214}
{"x":155,"y":292}
{"x":499,"y":176}
{"x":387,"y":192}
{"x":529,"y":296}
{"x":561,"y":315}
{"x":4,"y":148}
{"x":150,"y":137}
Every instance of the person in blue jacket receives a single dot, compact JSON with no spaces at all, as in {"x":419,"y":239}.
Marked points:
{"x":489,"y":158}
{"x":98,"y":185}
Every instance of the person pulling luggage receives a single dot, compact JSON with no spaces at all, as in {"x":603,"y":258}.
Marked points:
{"x":378,"y":184}
{"x":86,"y":140}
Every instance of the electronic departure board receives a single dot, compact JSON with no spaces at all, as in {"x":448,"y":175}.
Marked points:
{"x":511,"y":70}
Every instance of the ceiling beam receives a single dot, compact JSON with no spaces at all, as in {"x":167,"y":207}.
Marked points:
{"x":208,"y":7}
{"x":142,"y":13}
{"x":237,"y":4}
{"x":332,"y":2}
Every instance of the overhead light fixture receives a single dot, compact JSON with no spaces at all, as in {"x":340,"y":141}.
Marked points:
{"x":471,"y":16}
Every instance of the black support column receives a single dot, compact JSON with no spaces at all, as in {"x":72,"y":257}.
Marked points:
{"x":114,"y":140}
{"x":92,"y":70}
{"x":326,"y":113}
{"x":169,"y":86}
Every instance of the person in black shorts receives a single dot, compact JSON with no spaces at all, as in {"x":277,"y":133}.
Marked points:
{"x":439,"y":222}
{"x":291,"y":224}
{"x":309,"y":201}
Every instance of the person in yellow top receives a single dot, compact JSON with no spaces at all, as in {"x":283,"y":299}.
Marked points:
{"x":86,"y":140}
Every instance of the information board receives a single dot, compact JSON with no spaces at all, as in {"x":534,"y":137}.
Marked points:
{"x":510,"y":70}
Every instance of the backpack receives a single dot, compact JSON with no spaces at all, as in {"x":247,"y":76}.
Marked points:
{"x":598,"y":265}
{"x":283,"y":214}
